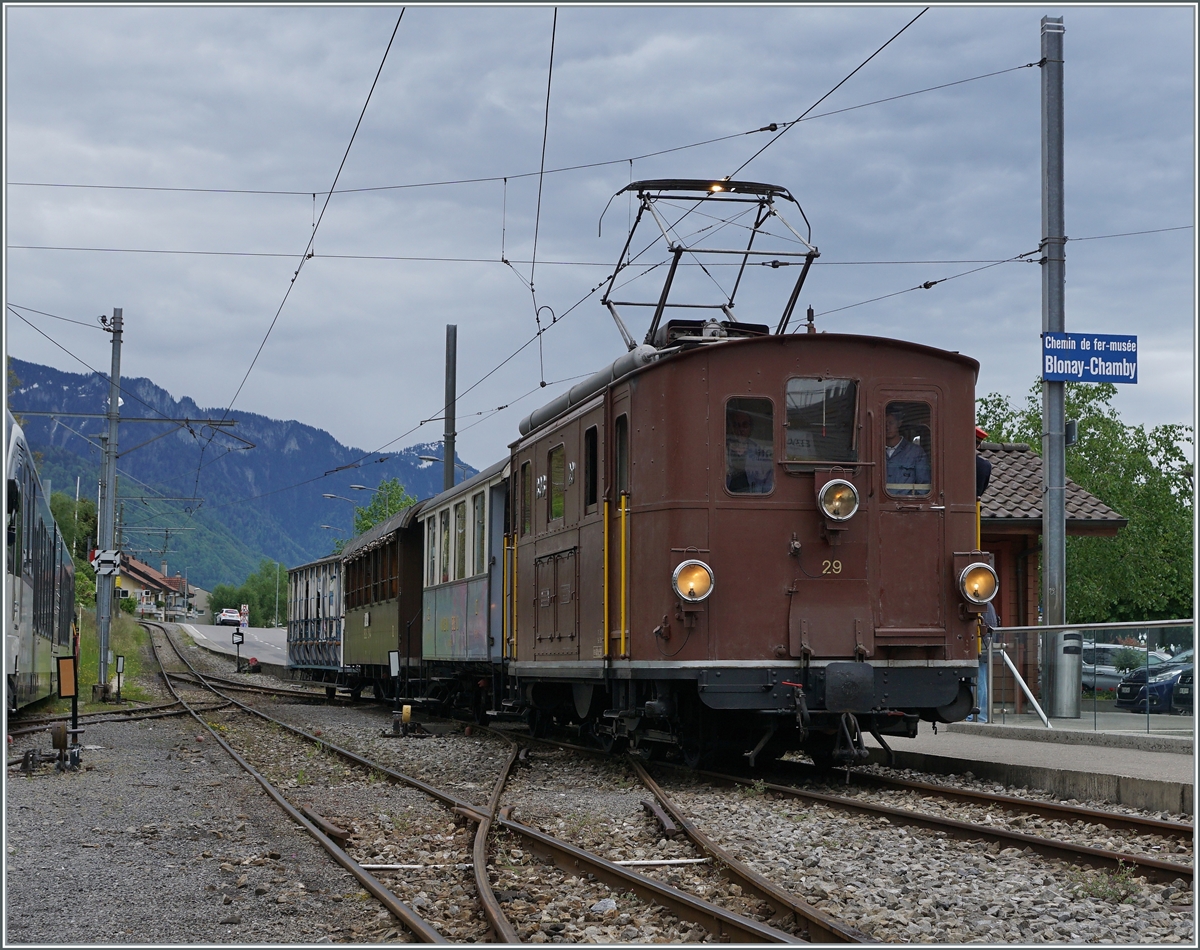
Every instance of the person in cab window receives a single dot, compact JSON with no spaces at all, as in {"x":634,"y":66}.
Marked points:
{"x":907,"y":463}
{"x":748,"y":465}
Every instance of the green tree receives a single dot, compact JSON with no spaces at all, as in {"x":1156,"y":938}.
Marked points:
{"x":390,"y":499}
{"x":77,"y":523}
{"x":85,"y":583}
{"x":258,"y":592}
{"x":1145,"y":572}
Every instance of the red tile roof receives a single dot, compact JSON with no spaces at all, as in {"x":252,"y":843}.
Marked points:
{"x":1014,"y":493}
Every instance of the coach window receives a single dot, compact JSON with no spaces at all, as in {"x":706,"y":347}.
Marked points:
{"x":460,"y":540}
{"x":526,"y":498}
{"x":14,"y":524}
{"x":478,"y":513}
{"x":749,"y":446}
{"x":444,"y":518}
{"x":821,"y":420}
{"x":622,"y":439}
{"x":431,"y":557}
{"x":590,"y":458}
{"x":908,"y":448}
{"x":556,"y":464}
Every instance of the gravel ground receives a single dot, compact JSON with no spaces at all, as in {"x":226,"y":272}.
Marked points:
{"x":168,"y":822}
{"x":902,"y":884}
{"x":169,"y":813}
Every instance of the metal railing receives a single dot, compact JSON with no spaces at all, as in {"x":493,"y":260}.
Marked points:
{"x":1114,"y":668}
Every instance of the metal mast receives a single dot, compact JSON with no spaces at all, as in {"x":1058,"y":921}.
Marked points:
{"x":1064,"y":697}
{"x":106,"y":581}
{"x":448,"y":455}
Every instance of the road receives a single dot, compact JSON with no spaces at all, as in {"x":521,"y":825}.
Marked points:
{"x":266,"y":644}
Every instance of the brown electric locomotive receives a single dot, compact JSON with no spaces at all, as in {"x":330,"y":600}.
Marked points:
{"x":729,"y":542}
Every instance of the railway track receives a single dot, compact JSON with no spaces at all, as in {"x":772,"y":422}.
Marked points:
{"x":575,"y":863}
{"x":1155,"y":869}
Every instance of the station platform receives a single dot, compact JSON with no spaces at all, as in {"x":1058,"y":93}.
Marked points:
{"x":1154,"y":772}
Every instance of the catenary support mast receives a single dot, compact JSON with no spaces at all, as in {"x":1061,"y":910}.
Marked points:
{"x":1064,"y":697}
{"x":106,"y":582}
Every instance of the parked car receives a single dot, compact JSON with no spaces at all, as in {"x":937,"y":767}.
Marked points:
{"x":1098,"y":669}
{"x":1184,"y":696}
{"x":230,"y":616}
{"x":1136,"y":694}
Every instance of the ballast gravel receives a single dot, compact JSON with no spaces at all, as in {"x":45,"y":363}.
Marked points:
{"x":162,"y":839}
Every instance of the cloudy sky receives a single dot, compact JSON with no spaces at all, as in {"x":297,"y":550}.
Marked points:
{"x":221,"y":124}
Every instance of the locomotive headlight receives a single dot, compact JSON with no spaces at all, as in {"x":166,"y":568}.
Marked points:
{"x":978,"y":582}
{"x":693,"y":581}
{"x":838,"y":499}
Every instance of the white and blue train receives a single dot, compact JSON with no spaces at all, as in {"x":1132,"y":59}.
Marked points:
{"x":39,"y":580}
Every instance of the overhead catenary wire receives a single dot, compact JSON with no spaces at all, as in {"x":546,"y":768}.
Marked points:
{"x":312,"y":237}
{"x":440,"y":183}
{"x":800,"y":117}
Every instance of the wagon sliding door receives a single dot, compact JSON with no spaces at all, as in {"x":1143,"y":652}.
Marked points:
{"x":556,"y":631}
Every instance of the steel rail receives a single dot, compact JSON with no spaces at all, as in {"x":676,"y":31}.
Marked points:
{"x":253,"y":688}
{"x":1154,"y":868}
{"x":819,"y":926}
{"x":718,"y":920}
{"x":99,"y":722}
{"x":1138,"y":823}
{"x":397,"y":908}
{"x":502,"y":929}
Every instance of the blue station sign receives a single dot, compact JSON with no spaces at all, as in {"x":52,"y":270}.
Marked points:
{"x":1089,"y":358}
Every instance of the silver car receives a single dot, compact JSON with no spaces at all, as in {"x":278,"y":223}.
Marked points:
{"x":1098,"y":669}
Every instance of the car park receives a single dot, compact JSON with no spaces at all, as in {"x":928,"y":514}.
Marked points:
{"x":1099,"y":671}
{"x":1157,"y":694}
{"x":230,"y":616}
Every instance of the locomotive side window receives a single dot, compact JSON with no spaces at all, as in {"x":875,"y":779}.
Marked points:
{"x":749,"y":446}
{"x":821,"y":420}
{"x":460,"y":540}
{"x":908,"y":447}
{"x":590,"y":457}
{"x":557,"y":464}
{"x":526,"y":498}
{"x":622,"y":438}
{"x":445,"y":520}
{"x":480,"y":548}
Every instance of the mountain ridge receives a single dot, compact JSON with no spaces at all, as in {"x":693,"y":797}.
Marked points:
{"x":236,"y":504}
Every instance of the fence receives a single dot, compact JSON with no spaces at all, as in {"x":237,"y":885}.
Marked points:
{"x":1125,"y":670}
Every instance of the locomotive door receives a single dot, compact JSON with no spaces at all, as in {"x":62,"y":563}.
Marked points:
{"x":556,"y":617}
{"x":910,"y":556}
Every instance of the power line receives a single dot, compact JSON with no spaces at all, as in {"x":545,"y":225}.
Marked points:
{"x":102,"y":375}
{"x":930,"y":284}
{"x":1100,"y":237}
{"x":42,"y":313}
{"x":537,"y":220}
{"x":827,"y":95}
{"x":312,"y":237}
{"x":484,"y":179}
{"x":469,"y":260}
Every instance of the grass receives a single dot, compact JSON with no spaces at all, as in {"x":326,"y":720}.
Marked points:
{"x":1116,"y":887}
{"x":126,"y":639}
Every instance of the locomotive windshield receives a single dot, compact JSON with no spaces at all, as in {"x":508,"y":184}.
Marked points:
{"x":749,"y":446}
{"x":908,"y":442}
{"x":820,"y":420}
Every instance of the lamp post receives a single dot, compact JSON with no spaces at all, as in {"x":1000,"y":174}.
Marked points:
{"x":387,"y":501}
{"x":434,"y":458}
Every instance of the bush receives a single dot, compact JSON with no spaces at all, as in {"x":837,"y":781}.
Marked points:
{"x":128,"y":605}
{"x":1129,"y":658}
